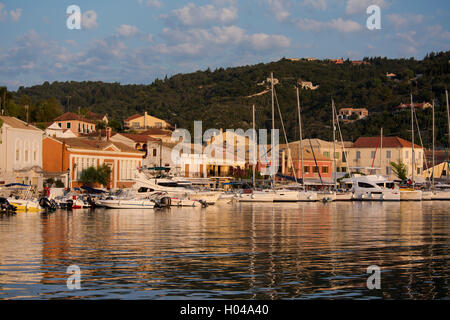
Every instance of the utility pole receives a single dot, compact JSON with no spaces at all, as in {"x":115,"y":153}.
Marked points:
{"x":26,"y":107}
{"x":68,"y":104}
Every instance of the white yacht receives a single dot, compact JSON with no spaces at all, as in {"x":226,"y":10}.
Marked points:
{"x":441,"y":192}
{"x":249,"y":195}
{"x":175,"y":187}
{"x":374,"y":188}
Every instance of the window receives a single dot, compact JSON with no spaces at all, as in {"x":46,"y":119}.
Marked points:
{"x":68,"y":125}
{"x":418,"y":170}
{"x":79,"y":127}
{"x":365,"y":185}
{"x":316,"y":170}
{"x":407,"y":154}
{"x":34,"y":155}
{"x":388,"y":154}
{"x":154,"y":152}
{"x":324,"y":169}
{"x":388,"y":170}
{"x":344,"y":156}
{"x":17,"y":154}
{"x":336,"y":155}
{"x":344,"y":169}
{"x":26,"y":156}
{"x":306,"y":169}
{"x":372,"y":154}
{"x":60,"y":125}
{"x":326,"y":154}
{"x":358,"y":155}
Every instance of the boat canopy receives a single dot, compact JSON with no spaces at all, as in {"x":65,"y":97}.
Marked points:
{"x":92,"y":190}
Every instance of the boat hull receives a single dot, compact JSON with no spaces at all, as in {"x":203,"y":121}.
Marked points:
{"x":410,"y":195}
{"x":127,"y":204}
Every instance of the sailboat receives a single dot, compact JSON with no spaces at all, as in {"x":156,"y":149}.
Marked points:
{"x":411,"y":194}
{"x":253,"y":195}
{"x":440,"y":192}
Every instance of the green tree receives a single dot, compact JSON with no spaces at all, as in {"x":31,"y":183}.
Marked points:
{"x":92,"y":175}
{"x":399,"y":170}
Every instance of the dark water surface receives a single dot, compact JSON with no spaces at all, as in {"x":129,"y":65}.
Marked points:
{"x":240,"y":251}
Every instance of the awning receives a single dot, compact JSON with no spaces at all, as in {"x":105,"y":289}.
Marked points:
{"x":92,"y":190}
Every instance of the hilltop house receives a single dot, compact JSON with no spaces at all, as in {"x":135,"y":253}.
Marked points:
{"x":20,"y":153}
{"x":307,"y":85}
{"x":420,"y":106}
{"x":144,"y":122}
{"x":347,"y":113}
{"x":76,"y":123}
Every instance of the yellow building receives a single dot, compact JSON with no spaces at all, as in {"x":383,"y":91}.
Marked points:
{"x":144,"y":122}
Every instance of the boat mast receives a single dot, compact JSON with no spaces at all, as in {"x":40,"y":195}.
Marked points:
{"x":254,"y":149}
{"x":448,"y":147}
{"x":301,"y":137}
{"x":432,"y":177}
{"x":273,"y":131}
{"x":381,"y":151}
{"x":412,"y":133}
{"x":334,"y":144}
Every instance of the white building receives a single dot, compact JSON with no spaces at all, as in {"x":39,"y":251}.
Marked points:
{"x":20,"y":153}
{"x":56,"y":131}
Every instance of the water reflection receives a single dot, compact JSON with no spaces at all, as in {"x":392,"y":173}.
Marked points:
{"x":244,"y":251}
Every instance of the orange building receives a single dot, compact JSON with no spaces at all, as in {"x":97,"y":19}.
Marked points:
{"x":73,"y":155}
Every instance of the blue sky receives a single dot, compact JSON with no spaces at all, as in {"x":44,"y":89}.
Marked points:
{"x":136,"y":41}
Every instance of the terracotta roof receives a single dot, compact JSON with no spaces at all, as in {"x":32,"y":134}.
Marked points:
{"x":72,"y":116}
{"x":138,"y":137}
{"x":95,"y":116}
{"x":158,"y":132}
{"x":18,"y":124}
{"x":95,"y":144}
{"x":388,"y":142}
{"x":133,"y":117}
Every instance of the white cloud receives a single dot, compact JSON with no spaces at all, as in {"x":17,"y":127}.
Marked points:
{"x":335,"y":24}
{"x":404,"y":20}
{"x":15,"y":14}
{"x":278,"y":8}
{"x":126,"y":30}
{"x":438,"y":32}
{"x":345,"y":25}
{"x":263,"y":42}
{"x":154,"y":3}
{"x":89,"y":19}
{"x":359,"y":6}
{"x":316,"y":4}
{"x":3,"y":14}
{"x":191,"y":15}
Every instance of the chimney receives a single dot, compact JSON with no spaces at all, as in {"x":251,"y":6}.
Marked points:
{"x":108,"y":133}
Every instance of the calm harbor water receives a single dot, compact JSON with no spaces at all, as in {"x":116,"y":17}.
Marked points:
{"x":230,"y":251}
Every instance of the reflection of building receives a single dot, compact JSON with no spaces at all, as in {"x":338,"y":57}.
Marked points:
{"x":144,"y":122}
{"x":77,"y":154}
{"x":20,"y":153}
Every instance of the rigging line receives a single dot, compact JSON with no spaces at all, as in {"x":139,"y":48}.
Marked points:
{"x":340,"y":133}
{"x":315,"y":161}
{"x":420,"y":138}
{"x":285,"y":137}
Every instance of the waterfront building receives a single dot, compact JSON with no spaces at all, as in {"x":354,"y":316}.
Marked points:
{"x":20,"y":153}
{"x":71,"y":156}
{"x":378,"y":153}
{"x":74,"y":122}
{"x":54,"y":130}
{"x":144,"y":122}
{"x":315,"y":166}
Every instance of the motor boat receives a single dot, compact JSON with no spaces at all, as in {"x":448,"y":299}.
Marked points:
{"x":175,"y":187}
{"x":127,"y":204}
{"x":326,"y":196}
{"x":294,"y":194}
{"x":374,"y":188}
